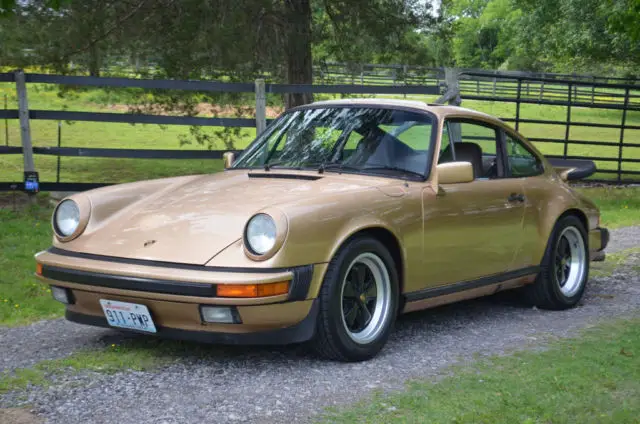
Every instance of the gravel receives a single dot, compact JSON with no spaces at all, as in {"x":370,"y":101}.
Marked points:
{"x":270,"y":385}
{"x":624,"y":238}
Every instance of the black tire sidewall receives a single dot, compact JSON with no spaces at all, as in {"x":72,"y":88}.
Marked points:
{"x":333,"y":287}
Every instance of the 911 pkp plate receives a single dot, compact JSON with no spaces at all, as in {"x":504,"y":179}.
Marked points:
{"x":128,"y":315}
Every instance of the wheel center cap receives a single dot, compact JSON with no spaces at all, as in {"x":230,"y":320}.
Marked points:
{"x":363,"y":297}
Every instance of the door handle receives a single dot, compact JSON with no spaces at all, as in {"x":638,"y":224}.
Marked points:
{"x":516,"y":197}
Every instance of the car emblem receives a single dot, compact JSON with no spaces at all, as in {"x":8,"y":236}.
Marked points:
{"x":149,"y":243}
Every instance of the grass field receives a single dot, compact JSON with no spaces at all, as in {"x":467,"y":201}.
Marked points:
{"x":594,"y":378}
{"x":140,"y":136}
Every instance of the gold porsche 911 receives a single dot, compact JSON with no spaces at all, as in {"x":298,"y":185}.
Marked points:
{"x":336,"y":219}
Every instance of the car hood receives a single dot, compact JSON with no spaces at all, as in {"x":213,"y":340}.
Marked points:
{"x":190,"y":222}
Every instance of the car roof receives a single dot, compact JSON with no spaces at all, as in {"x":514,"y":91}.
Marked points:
{"x":442,"y":111}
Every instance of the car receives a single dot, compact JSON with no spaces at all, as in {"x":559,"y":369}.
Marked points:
{"x":339,"y":217}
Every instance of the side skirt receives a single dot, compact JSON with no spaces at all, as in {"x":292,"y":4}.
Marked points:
{"x":484,"y":286}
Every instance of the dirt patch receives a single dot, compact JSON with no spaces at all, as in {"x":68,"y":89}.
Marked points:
{"x":207,"y":109}
{"x":18,"y":416}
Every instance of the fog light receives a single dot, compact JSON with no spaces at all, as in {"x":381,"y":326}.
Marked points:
{"x":220,"y":314}
{"x":61,"y":295}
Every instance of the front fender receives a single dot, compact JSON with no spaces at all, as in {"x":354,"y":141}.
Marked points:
{"x":318,"y":227}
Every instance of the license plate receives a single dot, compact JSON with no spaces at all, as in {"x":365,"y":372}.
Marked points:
{"x":128,"y":315}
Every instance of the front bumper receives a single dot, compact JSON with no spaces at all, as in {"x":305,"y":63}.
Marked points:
{"x":174,"y":293}
{"x":296,"y":333}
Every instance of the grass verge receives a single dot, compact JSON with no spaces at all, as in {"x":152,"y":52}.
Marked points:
{"x":619,"y":206}
{"x":23,"y":232}
{"x":134,"y":355}
{"x":141,"y":136}
{"x":594,"y":378}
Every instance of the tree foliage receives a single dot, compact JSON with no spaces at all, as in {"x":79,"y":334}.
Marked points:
{"x":562,"y":35}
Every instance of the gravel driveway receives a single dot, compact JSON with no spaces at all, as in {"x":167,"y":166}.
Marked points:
{"x":266,"y":385}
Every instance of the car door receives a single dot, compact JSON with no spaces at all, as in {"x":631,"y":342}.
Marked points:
{"x":474,"y":229}
{"x":526,"y":167}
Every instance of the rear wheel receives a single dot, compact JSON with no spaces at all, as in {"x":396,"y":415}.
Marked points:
{"x":565,"y":267}
{"x":358,"y":302}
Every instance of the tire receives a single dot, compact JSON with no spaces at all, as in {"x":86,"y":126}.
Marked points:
{"x":362,"y":264}
{"x":564,"y":269}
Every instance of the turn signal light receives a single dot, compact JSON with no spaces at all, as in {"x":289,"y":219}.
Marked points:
{"x":38,"y":269}
{"x":253,"y":290}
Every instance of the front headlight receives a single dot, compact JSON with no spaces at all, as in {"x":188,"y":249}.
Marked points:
{"x":261,"y":234}
{"x":66,"y":219}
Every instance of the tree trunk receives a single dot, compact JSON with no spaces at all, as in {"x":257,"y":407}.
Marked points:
{"x":298,"y":50}
{"x":94,"y":61}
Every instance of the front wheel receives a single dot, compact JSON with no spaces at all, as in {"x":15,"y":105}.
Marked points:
{"x":358,"y":302}
{"x":565,"y":267}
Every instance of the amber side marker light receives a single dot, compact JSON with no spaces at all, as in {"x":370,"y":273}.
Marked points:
{"x":253,"y":290}
{"x":39,"y":269}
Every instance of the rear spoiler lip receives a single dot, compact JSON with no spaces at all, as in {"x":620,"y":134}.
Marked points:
{"x":573,"y":169}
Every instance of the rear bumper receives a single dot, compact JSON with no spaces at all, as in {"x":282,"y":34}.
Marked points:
{"x":598,"y":241}
{"x":604,"y":238}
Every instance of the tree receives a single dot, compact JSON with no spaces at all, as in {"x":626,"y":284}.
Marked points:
{"x":192,"y":38}
{"x":583,"y":34}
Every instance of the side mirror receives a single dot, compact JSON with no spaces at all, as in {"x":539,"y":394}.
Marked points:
{"x":228,"y":158}
{"x":454,"y":172}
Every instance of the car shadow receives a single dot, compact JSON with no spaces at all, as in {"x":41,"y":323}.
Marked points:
{"x":451,"y":316}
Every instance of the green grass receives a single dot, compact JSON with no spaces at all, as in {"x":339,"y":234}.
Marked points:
{"x":134,"y":355}
{"x":107,"y":135}
{"x":619,"y":206}
{"x":22,"y":234}
{"x":594,"y":378}
{"x":139,"y":136}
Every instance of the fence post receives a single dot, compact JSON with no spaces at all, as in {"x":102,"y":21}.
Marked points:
{"x":25,"y":129}
{"x":404,"y":78}
{"x":59,"y":145}
{"x":518,"y":97}
{"x":261,"y":107}
{"x":568,"y":127}
{"x":452,"y":96}
{"x":624,"y":122}
{"x":6,"y":122}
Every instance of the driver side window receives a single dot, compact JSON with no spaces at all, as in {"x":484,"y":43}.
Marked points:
{"x":472,"y":141}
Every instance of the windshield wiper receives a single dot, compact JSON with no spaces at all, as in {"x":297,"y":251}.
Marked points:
{"x":391,"y":168}
{"x":339,"y":166}
{"x":269,"y":165}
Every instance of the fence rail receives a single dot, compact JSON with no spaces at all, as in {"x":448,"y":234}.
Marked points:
{"x":570,"y":94}
{"x":259,"y":88}
{"x":478,"y":86}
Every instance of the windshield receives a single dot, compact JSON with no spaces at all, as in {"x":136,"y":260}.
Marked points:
{"x":360,"y":139}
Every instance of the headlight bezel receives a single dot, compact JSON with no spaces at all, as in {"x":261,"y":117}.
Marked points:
{"x":84,"y":208}
{"x":281,"y":229}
